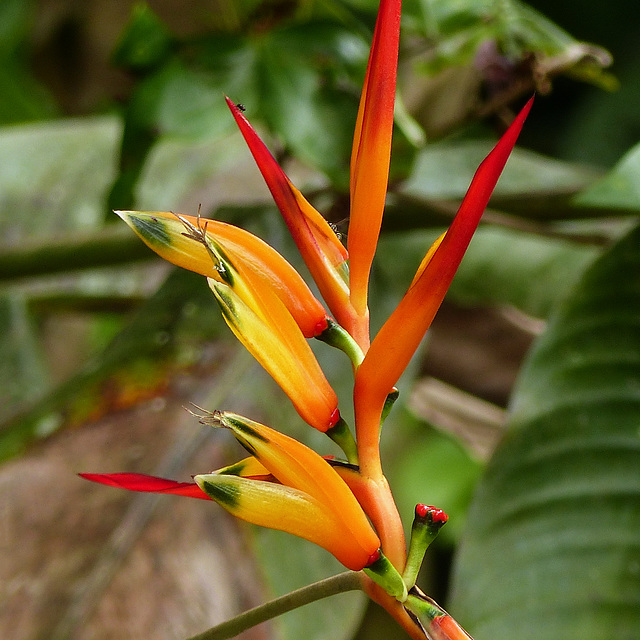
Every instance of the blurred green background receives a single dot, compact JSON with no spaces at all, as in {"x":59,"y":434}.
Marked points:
{"x":120,"y":105}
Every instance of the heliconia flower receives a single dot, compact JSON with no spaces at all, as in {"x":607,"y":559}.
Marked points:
{"x":372,"y":150}
{"x":399,"y":337}
{"x":167,"y":234}
{"x":302,"y":494}
{"x":320,"y":247}
{"x":332,"y":516}
{"x":345,"y":507}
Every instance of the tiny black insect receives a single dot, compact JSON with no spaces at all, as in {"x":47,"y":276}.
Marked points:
{"x":241,"y":106}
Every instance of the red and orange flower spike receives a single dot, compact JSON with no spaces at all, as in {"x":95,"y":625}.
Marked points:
{"x":399,"y":337}
{"x":347,"y":508}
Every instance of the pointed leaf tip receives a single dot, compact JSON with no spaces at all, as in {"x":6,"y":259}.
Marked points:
{"x":145,"y":483}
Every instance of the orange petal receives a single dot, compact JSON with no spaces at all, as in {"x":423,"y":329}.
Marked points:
{"x":318,"y":244}
{"x":400,"y":336}
{"x":372,"y":150}
{"x":165,"y":233}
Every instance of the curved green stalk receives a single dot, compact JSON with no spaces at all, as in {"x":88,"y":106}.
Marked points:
{"x":338,"y":337}
{"x":347,"y":581}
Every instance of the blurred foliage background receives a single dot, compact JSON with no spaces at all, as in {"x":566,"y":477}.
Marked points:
{"x":120,"y":105}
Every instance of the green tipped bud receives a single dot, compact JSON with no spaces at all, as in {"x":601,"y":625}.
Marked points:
{"x":426,"y":525}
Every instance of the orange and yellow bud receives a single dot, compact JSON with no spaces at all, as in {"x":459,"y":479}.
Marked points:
{"x":173,"y":238}
{"x":270,"y":334}
{"x":285,"y":509}
{"x":259,"y":294}
{"x":312,"y":501}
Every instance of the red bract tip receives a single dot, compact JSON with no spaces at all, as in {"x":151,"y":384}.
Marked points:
{"x":335,"y":416}
{"x":320,"y":327}
{"x":374,"y":557}
{"x":422,"y":509}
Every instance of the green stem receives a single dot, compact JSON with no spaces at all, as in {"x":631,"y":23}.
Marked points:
{"x":347,"y":581}
{"x":383,"y":573}
{"x":106,"y":247}
{"x":338,"y":337}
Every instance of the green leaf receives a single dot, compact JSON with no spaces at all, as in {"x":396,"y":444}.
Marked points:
{"x":531,"y":185}
{"x":619,"y":189}
{"x":553,"y":542}
{"x":533,"y":273}
{"x":300,"y":73}
{"x":56,"y":176}
{"x":181,"y":101}
{"x":458,"y":29}
{"x":145,"y":42}
{"x":23,"y":97}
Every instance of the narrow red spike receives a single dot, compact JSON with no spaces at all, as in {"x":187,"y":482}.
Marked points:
{"x":145,"y":483}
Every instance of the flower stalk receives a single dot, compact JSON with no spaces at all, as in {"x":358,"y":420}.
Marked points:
{"x":340,"y":583}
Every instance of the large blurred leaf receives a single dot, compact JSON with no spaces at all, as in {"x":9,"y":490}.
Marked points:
{"x":54,"y":175}
{"x":553,"y":542}
{"x":533,"y":273}
{"x":531,"y":185}
{"x":619,"y":189}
